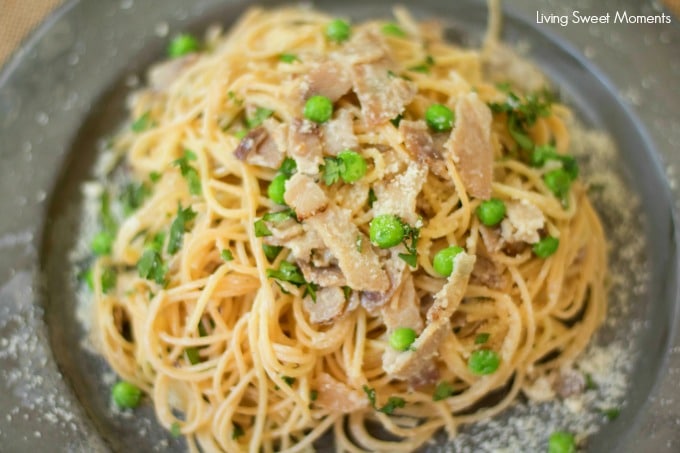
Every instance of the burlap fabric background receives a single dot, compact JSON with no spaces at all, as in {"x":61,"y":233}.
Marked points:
{"x":17,"y":19}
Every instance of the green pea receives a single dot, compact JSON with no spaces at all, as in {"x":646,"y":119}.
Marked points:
{"x":318,"y":109}
{"x":439,"y":117}
{"x":546,"y":246}
{"x":402,"y":338}
{"x":443,"y":260}
{"x":126,"y":395}
{"x":277,"y":188}
{"x":561,"y":442}
{"x":386,"y":231}
{"x":338,"y":30}
{"x":483,"y":361}
{"x":182,"y":45}
{"x":491,"y":212}
{"x":354,"y":165}
{"x":102,"y":243}
{"x":558,"y":181}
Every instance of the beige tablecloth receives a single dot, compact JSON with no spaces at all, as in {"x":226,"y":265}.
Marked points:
{"x":17,"y":19}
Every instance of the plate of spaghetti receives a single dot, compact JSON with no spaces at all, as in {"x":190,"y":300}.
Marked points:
{"x":310,"y":232}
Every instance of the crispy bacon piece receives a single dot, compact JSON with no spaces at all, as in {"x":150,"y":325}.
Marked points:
{"x":395,"y":268}
{"x":410,"y":363}
{"x":323,"y":276}
{"x":329,"y":305}
{"x":304,"y":196}
{"x":328,"y":78}
{"x":398,"y":196}
{"x":382,"y":96}
{"x":338,"y":133}
{"x":422,"y":147}
{"x":362,"y":268}
{"x":304,"y":145}
{"x":522,"y":223}
{"x":447,"y":299}
{"x":337,"y":396}
{"x":259,"y":148}
{"x":470,"y":145}
{"x":404,"y":311}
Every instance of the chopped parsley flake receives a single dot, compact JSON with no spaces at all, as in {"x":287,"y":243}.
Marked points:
{"x":175,"y":429}
{"x":142,"y":123}
{"x":226,"y":255}
{"x":133,"y":197}
{"x":188,"y":172}
{"x":482,"y":338}
{"x":410,"y":242}
{"x":192,"y":355}
{"x":271,"y":251}
{"x":150,"y":266}
{"x":289,"y":272}
{"x":393,"y":402}
{"x":331,"y":170}
{"x":279,"y":216}
{"x":288,"y":58}
{"x":261,"y":229}
{"x":108,"y":279}
{"x":442,"y":391}
{"x":611,"y":413}
{"x":258,"y":117}
{"x":237,"y":432}
{"x":178,"y":227}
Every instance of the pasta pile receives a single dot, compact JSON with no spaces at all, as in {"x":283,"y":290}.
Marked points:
{"x":333,"y":227}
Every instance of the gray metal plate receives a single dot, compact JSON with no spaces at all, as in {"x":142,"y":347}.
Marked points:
{"x":65,"y":87}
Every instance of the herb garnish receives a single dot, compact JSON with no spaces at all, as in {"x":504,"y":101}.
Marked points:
{"x":189,"y":172}
{"x":178,"y":227}
{"x":393,"y":402}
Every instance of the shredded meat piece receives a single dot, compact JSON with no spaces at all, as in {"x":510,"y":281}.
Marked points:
{"x":323,"y":258}
{"x":365,"y":46}
{"x":361,"y":268}
{"x":407,"y":364}
{"x":447,"y":299}
{"x":487,"y":273}
{"x":404,"y":310}
{"x":373,"y":300}
{"x":540,"y":389}
{"x":162,"y":75}
{"x":337,"y":396}
{"x":470,"y":145}
{"x":427,"y":375}
{"x":258,"y":148}
{"x":328,"y":78}
{"x":569,"y":382}
{"x":296,"y":237}
{"x":304,"y":145}
{"x":328,"y":306}
{"x":398,"y":196}
{"x":522,"y":223}
{"x":304,"y":196}
{"x":492,"y":238}
{"x":421,"y":146}
{"x":338,"y":133}
{"x":323,"y":276}
{"x":382,"y":97}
